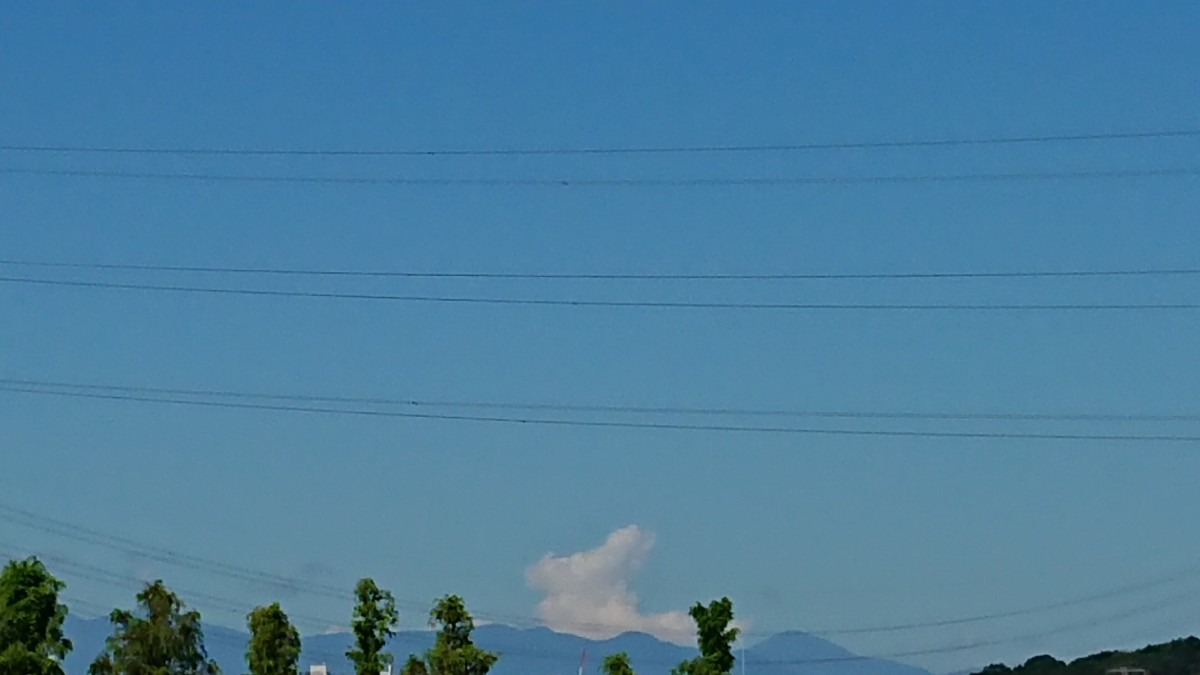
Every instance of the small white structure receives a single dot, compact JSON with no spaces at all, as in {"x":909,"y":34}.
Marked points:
{"x":324,"y":670}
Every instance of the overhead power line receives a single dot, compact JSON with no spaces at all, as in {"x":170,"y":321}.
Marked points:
{"x":762,"y":181}
{"x":1114,"y":617}
{"x":163,"y":555}
{"x":628,"y":304}
{"x":611,"y":424}
{"x":612,"y":409}
{"x":123,"y":544}
{"x":624,"y":150}
{"x":134,"y":584}
{"x":749,"y":655}
{"x":406,"y":274}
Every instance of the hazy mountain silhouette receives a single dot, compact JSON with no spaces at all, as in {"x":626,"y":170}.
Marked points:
{"x":532,"y":651}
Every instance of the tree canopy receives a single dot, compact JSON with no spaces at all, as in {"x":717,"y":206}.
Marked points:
{"x":164,"y":638}
{"x":274,"y":647}
{"x":616,"y":664}
{"x":453,"y":652}
{"x":375,"y":619}
{"x":1177,"y":657}
{"x":31,"y":620}
{"x":715,"y":636}
{"x":414,"y":666}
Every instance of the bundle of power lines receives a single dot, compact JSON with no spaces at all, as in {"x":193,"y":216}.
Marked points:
{"x":1166,"y":590}
{"x":232,"y":281}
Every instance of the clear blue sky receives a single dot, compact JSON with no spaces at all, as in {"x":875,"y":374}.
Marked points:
{"x":803,"y":532}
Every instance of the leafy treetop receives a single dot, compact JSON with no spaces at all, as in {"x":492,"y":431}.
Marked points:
{"x":274,"y":647}
{"x":163,"y":639}
{"x":375,"y":619}
{"x":31,"y":620}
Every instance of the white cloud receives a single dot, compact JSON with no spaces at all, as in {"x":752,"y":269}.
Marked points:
{"x":587,"y":593}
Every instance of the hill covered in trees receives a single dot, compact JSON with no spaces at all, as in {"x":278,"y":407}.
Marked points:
{"x":1177,"y":657}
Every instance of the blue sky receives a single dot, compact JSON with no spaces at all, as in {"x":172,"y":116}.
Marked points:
{"x":802,"y":532}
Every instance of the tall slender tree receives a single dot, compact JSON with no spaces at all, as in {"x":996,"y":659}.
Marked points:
{"x":31,"y":620}
{"x":716,"y":636}
{"x":375,"y":619}
{"x":163,"y":638}
{"x":453,"y":652}
{"x":274,"y":647}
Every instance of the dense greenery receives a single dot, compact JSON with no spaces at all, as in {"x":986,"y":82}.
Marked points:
{"x":616,"y":664}
{"x":162,"y":639}
{"x":453,"y":652}
{"x":716,"y":638}
{"x":1178,"y":657}
{"x":31,"y":620}
{"x":274,"y":647}
{"x":374,"y":624}
{"x":414,"y":666}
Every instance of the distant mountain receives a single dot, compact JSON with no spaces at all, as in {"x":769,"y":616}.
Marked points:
{"x":785,"y":653}
{"x":533,"y":651}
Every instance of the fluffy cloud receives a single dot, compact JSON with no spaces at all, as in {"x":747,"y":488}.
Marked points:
{"x":587,"y":593}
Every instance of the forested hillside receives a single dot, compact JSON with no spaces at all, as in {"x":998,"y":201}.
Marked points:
{"x":1177,"y":657}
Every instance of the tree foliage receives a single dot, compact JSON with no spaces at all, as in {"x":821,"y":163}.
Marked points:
{"x":414,"y":666}
{"x":162,"y":639}
{"x":31,"y":620}
{"x":616,"y":664}
{"x":453,"y":652}
{"x":375,"y":618}
{"x":715,"y":636}
{"x":274,"y":647}
{"x":1178,"y":657}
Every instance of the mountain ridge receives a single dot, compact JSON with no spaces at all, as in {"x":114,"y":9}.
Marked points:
{"x":524,"y":651}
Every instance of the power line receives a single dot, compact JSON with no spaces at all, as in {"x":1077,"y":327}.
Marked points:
{"x":748,"y":655}
{"x":1026,"y":611}
{"x":1024,"y":274}
{"x":163,"y":555}
{"x":1138,"y":610}
{"x":1146,"y":608}
{"x":769,"y":181}
{"x":102,"y":575}
{"x":126,"y":545}
{"x":132,"y":583}
{"x":614,"y":424}
{"x":614,"y":409}
{"x":627,"y":304}
{"x":627,"y":150}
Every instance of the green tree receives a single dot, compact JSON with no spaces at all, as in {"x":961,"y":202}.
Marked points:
{"x":274,"y":642}
{"x":31,"y":620}
{"x":162,"y":639}
{"x":414,"y":666}
{"x":374,"y":618}
{"x":716,"y":637}
{"x":453,"y":653}
{"x":616,"y":664}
